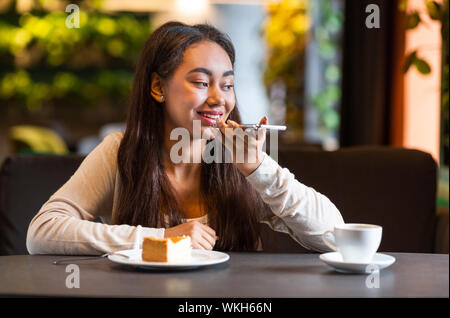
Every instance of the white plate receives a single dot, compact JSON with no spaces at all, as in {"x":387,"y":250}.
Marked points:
{"x":199,"y":258}
{"x":379,"y":261}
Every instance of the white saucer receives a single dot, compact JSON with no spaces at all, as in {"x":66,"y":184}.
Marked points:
{"x":379,"y":261}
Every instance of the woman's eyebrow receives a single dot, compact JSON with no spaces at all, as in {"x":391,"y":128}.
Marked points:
{"x":208,"y":72}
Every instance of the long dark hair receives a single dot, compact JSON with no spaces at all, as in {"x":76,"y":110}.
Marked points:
{"x":146,"y":194}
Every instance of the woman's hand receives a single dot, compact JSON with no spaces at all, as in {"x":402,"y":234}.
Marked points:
{"x":202,"y":236}
{"x":249,"y":147}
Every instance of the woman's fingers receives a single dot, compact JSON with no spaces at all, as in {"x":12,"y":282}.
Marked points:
{"x":211,"y":241}
{"x":209,"y":235}
{"x":202,"y":236}
{"x":205,"y":236}
{"x":227,"y":134}
{"x":204,"y":240}
{"x":246,"y":148}
{"x":209,"y":230}
{"x":221,"y":124}
{"x":233,"y":123}
{"x":201,"y":243}
{"x":264,"y":121}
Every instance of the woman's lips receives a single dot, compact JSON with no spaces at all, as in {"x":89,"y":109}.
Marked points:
{"x":209,"y":120}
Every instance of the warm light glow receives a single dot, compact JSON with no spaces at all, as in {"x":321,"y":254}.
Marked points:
{"x":422,"y":92}
{"x":192,"y":6}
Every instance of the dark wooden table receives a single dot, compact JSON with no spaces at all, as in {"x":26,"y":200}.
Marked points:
{"x":244,"y":275}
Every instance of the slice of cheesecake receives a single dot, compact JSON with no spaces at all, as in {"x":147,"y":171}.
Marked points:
{"x":170,"y":250}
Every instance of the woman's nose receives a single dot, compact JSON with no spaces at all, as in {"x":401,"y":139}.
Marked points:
{"x":215,"y":96}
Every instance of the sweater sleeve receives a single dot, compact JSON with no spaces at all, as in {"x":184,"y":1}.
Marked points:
{"x":298,"y":210}
{"x":65,"y":223}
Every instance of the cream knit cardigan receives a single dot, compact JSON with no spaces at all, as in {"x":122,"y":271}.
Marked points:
{"x":64,"y":224}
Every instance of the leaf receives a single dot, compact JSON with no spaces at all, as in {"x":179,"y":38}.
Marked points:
{"x":402,"y":5}
{"x":412,"y":20}
{"x":327,"y":50}
{"x":332,"y":73}
{"x":422,"y":66}
{"x":331,"y":119}
{"x":434,"y":10}
{"x":409,"y":61}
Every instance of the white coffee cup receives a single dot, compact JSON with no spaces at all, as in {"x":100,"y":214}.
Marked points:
{"x":357,"y":243}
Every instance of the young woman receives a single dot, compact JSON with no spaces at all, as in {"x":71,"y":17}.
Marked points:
{"x":184,"y":73}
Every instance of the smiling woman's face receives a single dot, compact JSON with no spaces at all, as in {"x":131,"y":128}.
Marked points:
{"x":201,"y":88}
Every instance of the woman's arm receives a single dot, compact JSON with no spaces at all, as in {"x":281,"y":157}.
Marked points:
{"x":298,"y":210}
{"x":64,"y":224}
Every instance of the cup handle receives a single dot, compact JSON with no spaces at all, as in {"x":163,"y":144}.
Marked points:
{"x":327,"y":242}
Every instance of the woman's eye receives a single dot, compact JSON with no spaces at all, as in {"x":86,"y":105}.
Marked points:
{"x":205,"y":84}
{"x":202,"y":84}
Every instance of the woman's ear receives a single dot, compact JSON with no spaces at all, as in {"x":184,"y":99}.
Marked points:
{"x":156,"y":88}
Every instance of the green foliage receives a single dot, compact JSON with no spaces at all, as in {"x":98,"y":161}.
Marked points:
{"x":409,"y":61}
{"x":286,"y":33}
{"x":412,"y":20}
{"x":436,"y":12}
{"x":43,"y":61}
{"x":421,"y":65}
{"x":327,"y":36}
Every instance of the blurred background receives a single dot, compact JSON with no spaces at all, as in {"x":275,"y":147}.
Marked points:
{"x":337,"y":73}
